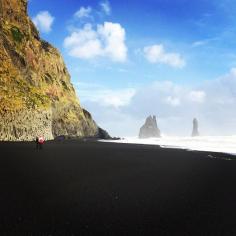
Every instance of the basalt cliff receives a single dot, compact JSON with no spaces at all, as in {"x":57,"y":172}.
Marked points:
{"x":195,"y":131}
{"x":36,"y":94}
{"x":150,"y":128}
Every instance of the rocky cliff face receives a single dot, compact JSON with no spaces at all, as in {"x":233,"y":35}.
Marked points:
{"x":149,"y":129}
{"x":36,"y":95}
{"x":195,"y":131}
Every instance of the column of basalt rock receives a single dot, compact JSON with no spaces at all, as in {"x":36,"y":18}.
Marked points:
{"x":150,"y":128}
{"x":195,"y":131}
{"x":25,"y":125}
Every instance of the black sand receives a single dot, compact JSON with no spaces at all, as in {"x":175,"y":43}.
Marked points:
{"x":89,"y":188}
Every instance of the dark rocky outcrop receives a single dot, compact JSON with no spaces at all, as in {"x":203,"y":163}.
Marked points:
{"x":195,"y":131}
{"x":150,"y":128}
{"x":103,"y":134}
{"x":36,"y":94}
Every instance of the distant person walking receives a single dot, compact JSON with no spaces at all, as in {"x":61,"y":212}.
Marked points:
{"x":41,"y":141}
{"x":37,"y":142}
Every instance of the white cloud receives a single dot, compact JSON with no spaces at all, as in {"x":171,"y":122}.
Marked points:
{"x":84,"y":43}
{"x":199,"y":43}
{"x":156,"y":54}
{"x":83,"y":12}
{"x":173,"y":101}
{"x":108,"y":40}
{"x":104,"y":96}
{"x":43,"y":21}
{"x":204,"y":42}
{"x":197,"y":96}
{"x":113,"y":36}
{"x":106,"y":7}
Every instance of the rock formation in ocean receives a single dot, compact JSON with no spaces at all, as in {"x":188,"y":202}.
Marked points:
{"x":36,"y":94}
{"x":195,"y":128}
{"x":150,"y":128}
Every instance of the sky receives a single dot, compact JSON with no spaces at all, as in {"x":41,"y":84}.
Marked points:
{"x":175,"y":59}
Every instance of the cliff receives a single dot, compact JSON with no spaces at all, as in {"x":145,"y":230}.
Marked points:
{"x":36,"y":94}
{"x":150,"y":128}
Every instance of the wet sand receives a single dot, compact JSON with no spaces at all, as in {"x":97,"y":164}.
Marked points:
{"x":92,"y":188}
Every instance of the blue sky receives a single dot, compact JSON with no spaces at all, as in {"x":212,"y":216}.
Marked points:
{"x":116,"y":50}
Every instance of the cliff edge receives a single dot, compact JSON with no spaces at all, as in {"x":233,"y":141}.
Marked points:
{"x":36,"y":94}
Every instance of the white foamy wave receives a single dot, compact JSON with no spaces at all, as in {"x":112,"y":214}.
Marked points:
{"x":224,"y":144}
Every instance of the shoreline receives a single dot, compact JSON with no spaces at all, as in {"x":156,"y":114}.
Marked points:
{"x":201,"y":143}
{"x":208,"y":154}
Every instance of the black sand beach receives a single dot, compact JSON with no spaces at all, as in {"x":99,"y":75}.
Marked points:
{"x":91,"y":188}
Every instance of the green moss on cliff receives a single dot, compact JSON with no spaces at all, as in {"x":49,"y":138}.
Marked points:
{"x":16,"y":34}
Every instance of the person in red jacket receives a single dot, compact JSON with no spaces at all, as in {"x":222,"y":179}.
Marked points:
{"x":41,"y":141}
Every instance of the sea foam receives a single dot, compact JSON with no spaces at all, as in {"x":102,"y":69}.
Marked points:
{"x":223,"y":144}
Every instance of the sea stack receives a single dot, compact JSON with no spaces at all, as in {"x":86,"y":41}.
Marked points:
{"x":150,"y":128}
{"x":36,"y":93}
{"x":195,"y":128}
